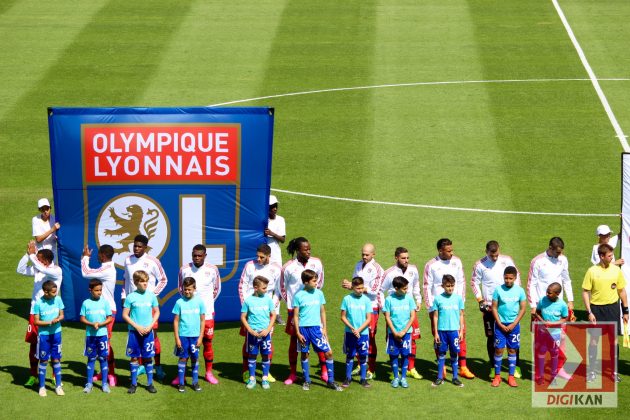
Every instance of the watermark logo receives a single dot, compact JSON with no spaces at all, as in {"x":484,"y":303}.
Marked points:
{"x":575,"y":365}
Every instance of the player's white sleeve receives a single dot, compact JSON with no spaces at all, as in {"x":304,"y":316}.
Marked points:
{"x":566,"y":282}
{"x":277,"y":294}
{"x":532,"y":284}
{"x":462,"y":281}
{"x":283,"y":286}
{"x":415,"y":291}
{"x":160,"y":275}
{"x":217,"y":284}
{"x":375,"y":289}
{"x":23,"y":268}
{"x":242,"y":284}
{"x":427,"y":285}
{"x":54,"y":271}
{"x":475,"y":280}
{"x":180,"y":280}
{"x":320,"y":280}
{"x":594,"y":256}
{"x":88,"y":272}
{"x":518,"y":272}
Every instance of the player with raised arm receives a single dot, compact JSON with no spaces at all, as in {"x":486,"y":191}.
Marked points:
{"x":208,"y":288}
{"x":402,"y":268}
{"x":45,"y":227}
{"x":261,"y":266}
{"x":140,"y":260}
{"x":434,"y":270}
{"x":604,"y":236}
{"x":487,"y":275}
{"x":41,"y":266}
{"x":372,"y":274}
{"x":290,"y":284}
{"x":106,"y":273}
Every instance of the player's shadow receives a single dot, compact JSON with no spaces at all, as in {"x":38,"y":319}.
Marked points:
{"x":20,"y":374}
{"x":18,"y":307}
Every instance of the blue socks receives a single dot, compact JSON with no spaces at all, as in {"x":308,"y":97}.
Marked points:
{"x":90,"y":370}
{"x":511,"y":364}
{"x":251,"y":366}
{"x":149,"y":369}
{"x":306,"y":371}
{"x":181,"y":372}
{"x":195,"y":370}
{"x":330,"y":365}
{"x":349,"y":366}
{"x":363,"y":365}
{"x":266,"y":365}
{"x":41,"y":372}
{"x":57,"y":373}
{"x":394,"y":361}
{"x":455,"y":365}
{"x":441,"y":363}
{"x":104,"y":368}
{"x":403,"y":374}
{"x":497,"y":364}
{"x":134,"y":373}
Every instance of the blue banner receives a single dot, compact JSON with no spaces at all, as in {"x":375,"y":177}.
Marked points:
{"x":180,"y":176}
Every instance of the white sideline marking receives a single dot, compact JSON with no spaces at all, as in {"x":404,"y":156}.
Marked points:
{"x":591,"y":74}
{"x":393,"y":85}
{"x":428,"y":206}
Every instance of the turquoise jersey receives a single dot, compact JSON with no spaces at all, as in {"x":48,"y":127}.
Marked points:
{"x":48,"y":309}
{"x":448,"y":310}
{"x":357,"y":309}
{"x":399,"y":308}
{"x":309,"y":304}
{"x":189,"y":311}
{"x":509,"y":302}
{"x":258,"y":310}
{"x":141,"y":308}
{"x":95,"y":311}
{"x":553,"y":311}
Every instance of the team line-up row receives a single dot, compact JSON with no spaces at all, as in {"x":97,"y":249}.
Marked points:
{"x":395,"y":291}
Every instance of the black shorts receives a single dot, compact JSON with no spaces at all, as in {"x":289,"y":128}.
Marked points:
{"x":607,"y":313}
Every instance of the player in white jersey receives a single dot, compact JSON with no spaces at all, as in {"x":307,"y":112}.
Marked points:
{"x":604,"y":236}
{"x":140,"y":260}
{"x":487,"y":275}
{"x":549,"y":267}
{"x":106,"y":273}
{"x":275,"y":232}
{"x":261,"y":266}
{"x":45,"y":227}
{"x":410,"y":272}
{"x":434,"y":270}
{"x":208,"y":288}
{"x":372,"y":274}
{"x":290,"y":284}
{"x":41,"y":266}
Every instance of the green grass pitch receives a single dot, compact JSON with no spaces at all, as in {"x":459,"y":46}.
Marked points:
{"x":541,"y":143}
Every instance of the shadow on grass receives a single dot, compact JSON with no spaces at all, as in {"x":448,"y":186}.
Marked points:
{"x":18,"y":307}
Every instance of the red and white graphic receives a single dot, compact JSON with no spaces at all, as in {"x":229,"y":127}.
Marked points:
{"x":585,"y":367}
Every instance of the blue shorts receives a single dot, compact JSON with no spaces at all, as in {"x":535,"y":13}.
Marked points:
{"x":189,"y":348}
{"x":255,"y":345}
{"x":399,"y":348}
{"x":96,"y":346}
{"x":140,"y":345}
{"x":512,"y":339}
{"x":313,"y":335}
{"x":353,"y":345}
{"x":49,"y":346}
{"x":449,"y":340}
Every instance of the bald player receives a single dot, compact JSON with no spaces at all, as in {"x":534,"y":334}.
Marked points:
{"x":372,"y":274}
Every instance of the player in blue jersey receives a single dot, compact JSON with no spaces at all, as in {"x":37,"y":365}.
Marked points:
{"x":508,"y":307}
{"x":447,"y":324}
{"x":309,"y":316}
{"x":551,"y":312}
{"x":188,"y":323}
{"x":400,"y":314}
{"x":97,"y":315}
{"x":356,"y":314}
{"x":48,"y":314}
{"x":141,"y":311}
{"x":258,"y":315}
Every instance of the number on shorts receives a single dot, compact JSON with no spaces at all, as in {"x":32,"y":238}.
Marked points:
{"x":516,"y":338}
{"x":405,"y":344}
{"x":193,"y":348}
{"x":364,"y":346}
{"x":103,"y":345}
{"x":456,"y":342}
{"x":149,"y":347}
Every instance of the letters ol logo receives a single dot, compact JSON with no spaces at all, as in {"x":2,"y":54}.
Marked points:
{"x":574,"y":365}
{"x":128,"y":215}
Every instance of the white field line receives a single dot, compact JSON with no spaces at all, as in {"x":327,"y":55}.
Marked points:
{"x":591,"y":74}
{"x":428,"y":206}
{"x":394,"y":85}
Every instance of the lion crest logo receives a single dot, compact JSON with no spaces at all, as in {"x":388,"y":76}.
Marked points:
{"x":128,"y":215}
